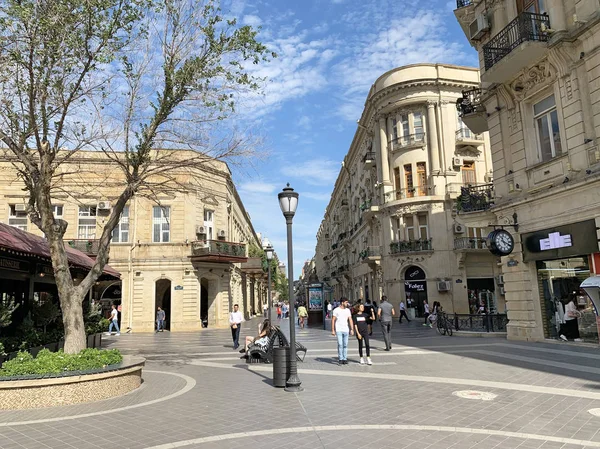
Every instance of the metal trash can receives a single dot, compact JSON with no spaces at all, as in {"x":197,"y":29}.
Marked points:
{"x":281,"y":366}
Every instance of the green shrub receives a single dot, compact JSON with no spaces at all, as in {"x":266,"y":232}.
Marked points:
{"x":48,"y":362}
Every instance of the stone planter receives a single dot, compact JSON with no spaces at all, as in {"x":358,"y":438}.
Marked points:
{"x":72,"y":388}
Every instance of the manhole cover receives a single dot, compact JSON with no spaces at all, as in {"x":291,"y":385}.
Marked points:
{"x":478,"y":395}
{"x":595,"y":411}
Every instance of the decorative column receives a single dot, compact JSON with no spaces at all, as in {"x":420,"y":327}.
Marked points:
{"x":434,"y":151}
{"x":448,"y":135}
{"x":383,"y":151}
{"x":556,"y":11}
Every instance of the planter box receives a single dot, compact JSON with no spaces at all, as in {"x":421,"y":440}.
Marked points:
{"x":34,"y":351}
{"x":52,"y":347}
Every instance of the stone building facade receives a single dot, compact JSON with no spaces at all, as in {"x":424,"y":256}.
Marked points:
{"x":185,"y":251}
{"x":396,"y":223}
{"x":540,"y":101}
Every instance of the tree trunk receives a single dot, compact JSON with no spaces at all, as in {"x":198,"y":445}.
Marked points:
{"x":72,"y":312}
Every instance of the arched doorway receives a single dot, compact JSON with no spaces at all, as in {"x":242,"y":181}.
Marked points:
{"x":162,"y":295}
{"x":415,"y":287}
{"x":204,"y":302}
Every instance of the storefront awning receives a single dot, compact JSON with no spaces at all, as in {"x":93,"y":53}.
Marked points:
{"x":14,"y":239}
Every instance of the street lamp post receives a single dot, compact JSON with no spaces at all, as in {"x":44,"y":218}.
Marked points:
{"x":288,"y":201}
{"x":269,"y":253}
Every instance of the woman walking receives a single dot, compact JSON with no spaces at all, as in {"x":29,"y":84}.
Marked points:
{"x":361,"y":320}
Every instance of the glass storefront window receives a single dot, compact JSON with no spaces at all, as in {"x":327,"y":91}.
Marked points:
{"x":559,"y":282}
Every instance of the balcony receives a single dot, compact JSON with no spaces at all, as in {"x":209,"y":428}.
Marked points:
{"x":89,"y":247}
{"x":369,"y":210}
{"x":218,"y":251}
{"x":371,"y":254}
{"x":472,"y":111}
{"x":253,"y":266}
{"x":470,"y":243}
{"x":467,"y":138}
{"x":521,"y":43}
{"x":407,"y":142}
{"x":411,"y":246}
{"x":463,"y":3}
{"x":345,"y":204}
{"x":475,"y":198}
{"x":369,"y":160}
{"x":411,"y":192}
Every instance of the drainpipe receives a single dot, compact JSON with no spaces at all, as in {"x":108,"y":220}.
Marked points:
{"x":130,"y":264}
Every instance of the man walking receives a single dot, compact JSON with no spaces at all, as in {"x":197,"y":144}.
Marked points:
{"x":385,"y":314}
{"x":425,"y":311}
{"x":160,"y":319}
{"x":403,"y":312}
{"x":341,"y":325}
{"x":114,"y":320}
{"x":370,"y":311}
{"x":235,"y":322}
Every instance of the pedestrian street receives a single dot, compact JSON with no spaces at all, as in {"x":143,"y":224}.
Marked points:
{"x":429,"y":391}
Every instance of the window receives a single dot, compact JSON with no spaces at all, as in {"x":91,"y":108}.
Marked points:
{"x":422,"y":178}
{"x":423,"y":228}
{"x":121,"y":233}
{"x":533,"y":6}
{"x":462,"y":131}
{"x":477,"y":237}
{"x":397,"y":183}
{"x":87,"y":223}
{"x":405,"y":129}
{"x":468,"y":173}
{"x":409,"y":180}
{"x":57,"y":210}
{"x":395,"y":129}
{"x":17,"y":218}
{"x":418,"y":126}
{"x":410,"y":228}
{"x":160,"y":224}
{"x":208,"y":223}
{"x":547,"y":130}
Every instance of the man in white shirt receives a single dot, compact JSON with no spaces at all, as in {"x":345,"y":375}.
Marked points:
{"x":114,"y":320}
{"x":341,"y":325}
{"x":235,"y":322}
{"x":403,"y":312}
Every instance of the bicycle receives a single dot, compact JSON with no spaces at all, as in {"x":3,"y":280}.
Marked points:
{"x":443,"y":324}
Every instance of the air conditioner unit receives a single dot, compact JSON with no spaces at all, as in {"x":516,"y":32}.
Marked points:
{"x":457,"y":161}
{"x":459,"y":228}
{"x":501,"y":291}
{"x":478,"y":27}
{"x":501,"y":279}
{"x":200,"y":230}
{"x":103,"y":205}
{"x":222,"y":233}
{"x":443,"y":286}
{"x":20,"y":207}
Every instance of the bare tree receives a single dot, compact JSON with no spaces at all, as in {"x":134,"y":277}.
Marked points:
{"x":125,"y":77}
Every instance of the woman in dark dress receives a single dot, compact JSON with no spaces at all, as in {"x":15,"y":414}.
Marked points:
{"x":361,"y":320}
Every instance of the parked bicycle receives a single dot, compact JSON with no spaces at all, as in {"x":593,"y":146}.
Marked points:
{"x":444,"y":324}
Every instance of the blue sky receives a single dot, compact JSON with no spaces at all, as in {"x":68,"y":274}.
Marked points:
{"x":330,"y":52}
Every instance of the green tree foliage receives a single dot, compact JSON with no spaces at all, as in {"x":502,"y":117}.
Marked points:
{"x":45,"y":313}
{"x":125,"y":78}
{"x":6,"y":311}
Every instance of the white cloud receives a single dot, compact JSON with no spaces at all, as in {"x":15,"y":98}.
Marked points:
{"x":314,"y":172}
{"x":317,"y":196}
{"x":257,"y":187}
{"x":305,"y":122}
{"x":252,"y":20}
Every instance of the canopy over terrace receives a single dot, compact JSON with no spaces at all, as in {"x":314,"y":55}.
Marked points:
{"x":25,"y":244}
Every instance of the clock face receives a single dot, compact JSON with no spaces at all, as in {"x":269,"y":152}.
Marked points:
{"x":501,"y":242}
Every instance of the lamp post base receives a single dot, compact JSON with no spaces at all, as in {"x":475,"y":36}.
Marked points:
{"x":293,"y":384}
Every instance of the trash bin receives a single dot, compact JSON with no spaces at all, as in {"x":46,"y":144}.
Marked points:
{"x":281,"y":366}
{"x":411,"y":313}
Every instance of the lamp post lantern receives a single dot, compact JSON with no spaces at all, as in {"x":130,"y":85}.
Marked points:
{"x":288,"y":201}
{"x":269,"y":252}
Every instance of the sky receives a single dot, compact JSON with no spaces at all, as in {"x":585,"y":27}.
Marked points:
{"x":329,"y":54}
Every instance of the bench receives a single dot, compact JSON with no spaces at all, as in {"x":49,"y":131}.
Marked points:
{"x":259,"y":354}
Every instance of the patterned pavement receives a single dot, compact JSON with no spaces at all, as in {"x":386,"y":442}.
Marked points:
{"x":428,"y":392}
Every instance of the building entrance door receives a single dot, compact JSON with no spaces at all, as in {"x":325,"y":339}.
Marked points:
{"x":162,"y":299}
{"x":415,"y":287}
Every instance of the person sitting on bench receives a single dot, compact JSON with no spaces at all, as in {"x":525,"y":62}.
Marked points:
{"x":261,"y":339}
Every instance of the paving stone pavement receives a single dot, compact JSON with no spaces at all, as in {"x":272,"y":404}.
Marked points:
{"x":197,"y":393}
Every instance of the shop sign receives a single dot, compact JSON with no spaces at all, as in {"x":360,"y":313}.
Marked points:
{"x":45,"y":270}
{"x":315,"y":298}
{"x":13,"y":264}
{"x":575,"y":239}
{"x":414,"y":286}
{"x":414,"y":273}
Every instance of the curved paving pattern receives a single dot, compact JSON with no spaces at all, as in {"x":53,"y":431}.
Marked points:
{"x":199,"y":394}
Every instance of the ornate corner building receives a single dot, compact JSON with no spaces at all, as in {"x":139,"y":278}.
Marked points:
{"x":539,"y":99}
{"x":409,"y":213}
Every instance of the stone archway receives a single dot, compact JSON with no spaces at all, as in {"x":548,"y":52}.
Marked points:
{"x":204,"y":302}
{"x":162,"y":299}
{"x":415,"y":287}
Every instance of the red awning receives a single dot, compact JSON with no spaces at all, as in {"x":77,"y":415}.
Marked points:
{"x":14,"y":239}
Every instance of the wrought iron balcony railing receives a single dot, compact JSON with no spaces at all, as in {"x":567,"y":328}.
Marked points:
{"x":470,"y":243}
{"x":87,"y":246}
{"x":371,"y":251}
{"x":366,"y":205}
{"x":411,"y":139}
{"x":413,"y":192}
{"x":411,"y":246}
{"x":479,"y":323}
{"x":475,"y":198}
{"x":470,"y":102}
{"x":467,"y":134}
{"x":369,"y":156}
{"x":526,"y":27}
{"x":463,"y":3}
{"x":218,"y":248}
